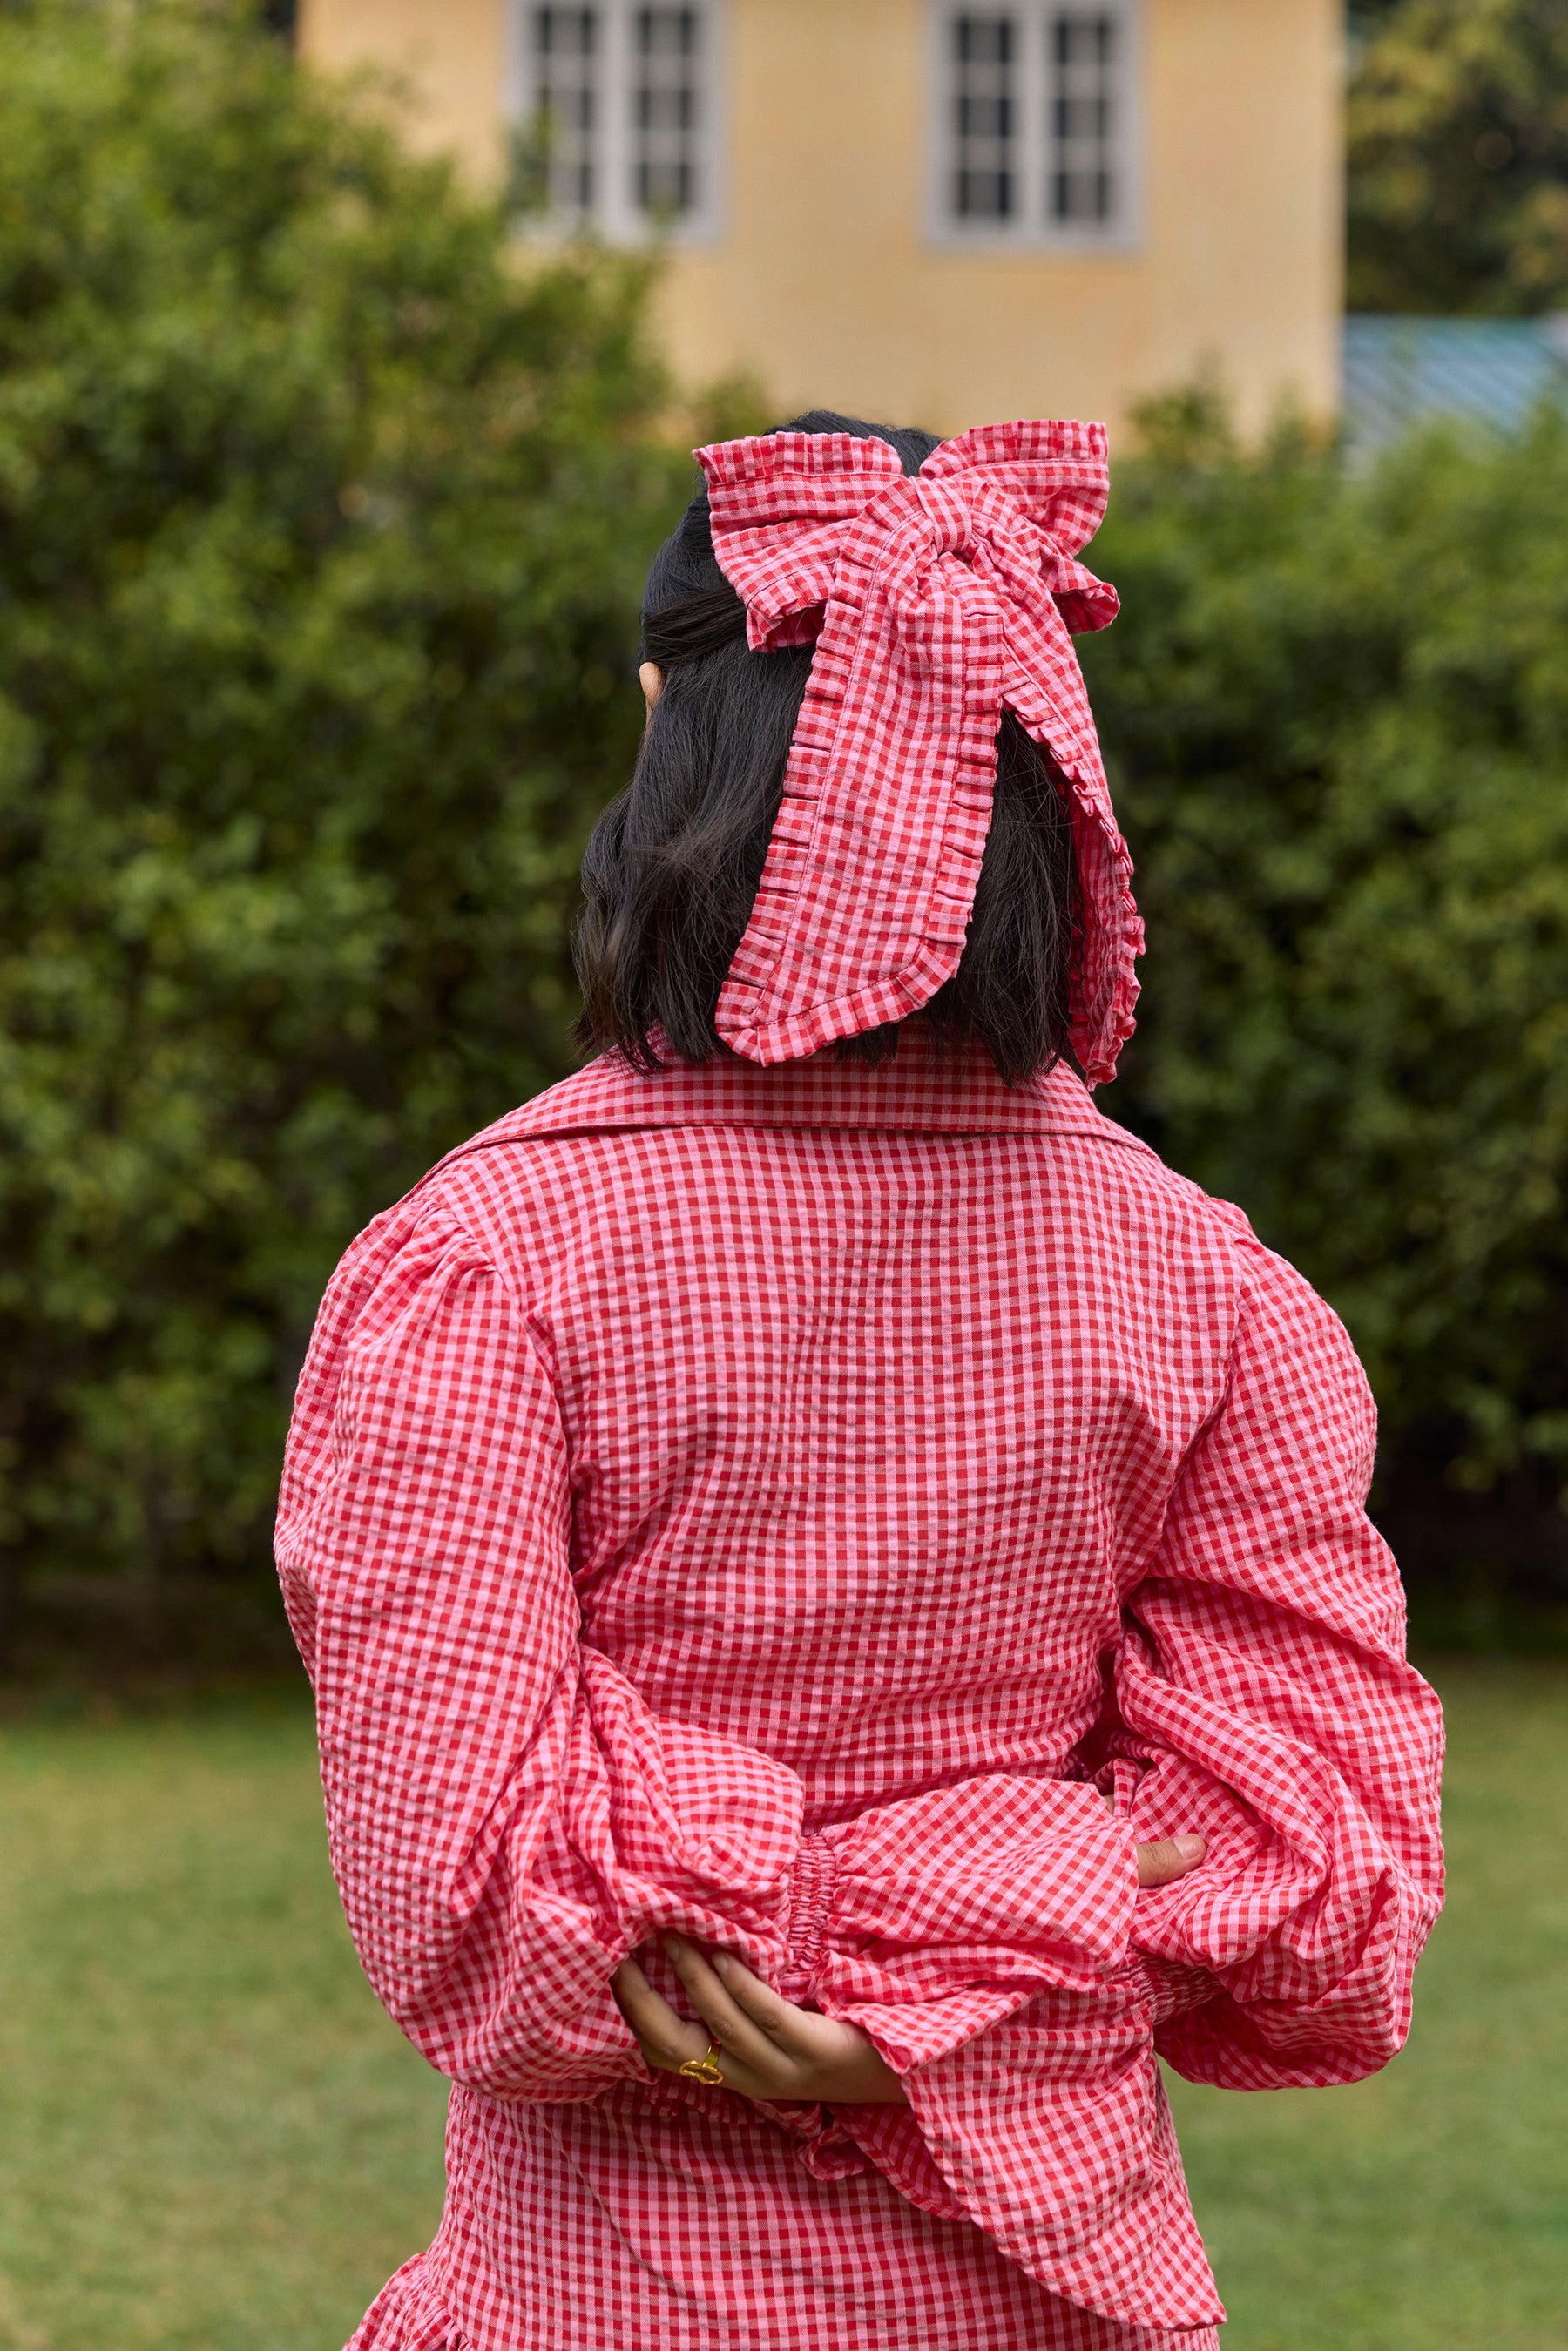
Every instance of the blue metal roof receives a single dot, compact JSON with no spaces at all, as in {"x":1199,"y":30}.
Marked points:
{"x":1397,"y":371}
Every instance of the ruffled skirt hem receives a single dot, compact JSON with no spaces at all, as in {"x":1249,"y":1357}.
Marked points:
{"x":408,"y":2314}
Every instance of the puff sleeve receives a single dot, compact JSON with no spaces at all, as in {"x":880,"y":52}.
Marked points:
{"x":1261,"y":1694}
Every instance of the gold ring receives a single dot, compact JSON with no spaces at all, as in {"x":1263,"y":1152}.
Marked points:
{"x":705,"y":2068}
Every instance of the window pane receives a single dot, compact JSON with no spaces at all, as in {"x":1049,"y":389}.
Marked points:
{"x":984,"y":118}
{"x":983,"y":63}
{"x":1081,"y":125}
{"x":567,"y":49}
{"x":667,"y":110}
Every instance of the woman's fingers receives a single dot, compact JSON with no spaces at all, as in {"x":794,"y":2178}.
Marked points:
{"x":666,"y":2038}
{"x":813,"y":2056}
{"x":749,"y":2060}
{"x":726,"y":2018}
{"x":777,"y":2017}
{"x":1165,"y":1860}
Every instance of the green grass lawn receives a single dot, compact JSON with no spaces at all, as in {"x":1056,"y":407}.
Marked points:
{"x":1427,"y":2210}
{"x":212,"y":2137}
{"x":211,"y":2140}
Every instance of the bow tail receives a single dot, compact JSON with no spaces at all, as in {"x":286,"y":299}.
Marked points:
{"x":864,"y":902}
{"x":1046,"y":696}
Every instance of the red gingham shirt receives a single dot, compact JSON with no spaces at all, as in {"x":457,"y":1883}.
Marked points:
{"x":782,"y":1505}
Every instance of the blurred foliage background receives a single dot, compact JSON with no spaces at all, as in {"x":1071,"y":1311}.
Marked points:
{"x":1336,"y":715}
{"x":1458,"y":156}
{"x":322,"y":522}
{"x":321,"y":529}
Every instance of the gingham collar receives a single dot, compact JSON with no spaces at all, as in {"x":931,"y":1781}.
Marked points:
{"x":921,"y":1092}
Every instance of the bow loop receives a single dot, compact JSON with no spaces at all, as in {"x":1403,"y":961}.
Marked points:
{"x":935,"y":601}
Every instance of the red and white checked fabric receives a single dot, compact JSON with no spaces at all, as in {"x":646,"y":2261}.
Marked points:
{"x":782,"y":1505}
{"x":935,"y":602}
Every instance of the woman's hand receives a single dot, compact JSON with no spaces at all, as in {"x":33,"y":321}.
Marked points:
{"x":767,"y":2048}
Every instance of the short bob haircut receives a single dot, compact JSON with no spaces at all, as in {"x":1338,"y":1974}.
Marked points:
{"x":673,"y":865}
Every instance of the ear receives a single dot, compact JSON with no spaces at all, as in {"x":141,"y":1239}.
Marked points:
{"x":651,"y":678}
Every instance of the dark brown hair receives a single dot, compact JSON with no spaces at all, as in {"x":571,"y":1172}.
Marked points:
{"x":673,"y":865}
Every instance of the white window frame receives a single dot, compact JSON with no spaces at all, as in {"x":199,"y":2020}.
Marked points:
{"x":616,"y":214}
{"x":1033,"y":227}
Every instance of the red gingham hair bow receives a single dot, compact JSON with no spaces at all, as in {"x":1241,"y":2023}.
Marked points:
{"x":936,"y":600}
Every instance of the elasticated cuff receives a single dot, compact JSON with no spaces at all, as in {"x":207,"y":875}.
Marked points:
{"x":812,"y":1884}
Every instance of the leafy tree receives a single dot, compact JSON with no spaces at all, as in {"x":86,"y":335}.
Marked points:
{"x":321,"y":525}
{"x":1458,"y":157}
{"x":1337,"y":712}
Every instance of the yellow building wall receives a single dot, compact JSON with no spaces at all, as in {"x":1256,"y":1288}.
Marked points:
{"x":824,"y":284}
{"x":451,"y":55}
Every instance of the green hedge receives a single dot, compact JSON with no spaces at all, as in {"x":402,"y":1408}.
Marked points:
{"x":1336,"y":711}
{"x":321,"y":530}
{"x":321,"y":526}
